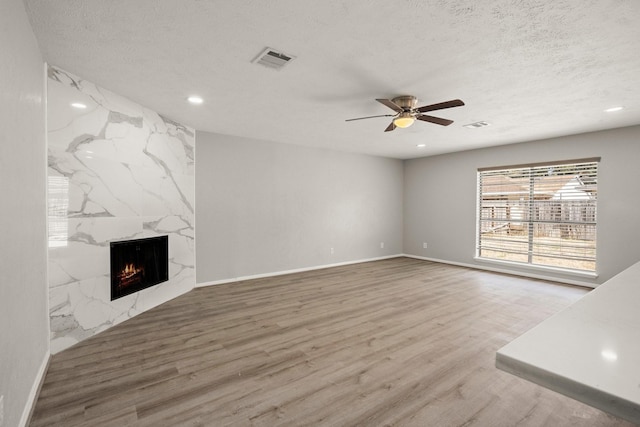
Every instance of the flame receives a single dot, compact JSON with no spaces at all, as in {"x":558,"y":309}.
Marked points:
{"x":129,"y":270}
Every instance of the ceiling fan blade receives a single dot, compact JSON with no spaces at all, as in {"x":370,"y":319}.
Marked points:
{"x":370,"y":117}
{"x":391,"y":127}
{"x":389,"y":103}
{"x":431,"y":119}
{"x":440,"y":106}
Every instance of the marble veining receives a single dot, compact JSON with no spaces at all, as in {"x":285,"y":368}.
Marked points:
{"x":116,"y":171}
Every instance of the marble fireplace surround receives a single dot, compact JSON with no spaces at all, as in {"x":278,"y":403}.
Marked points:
{"x":116,"y":171}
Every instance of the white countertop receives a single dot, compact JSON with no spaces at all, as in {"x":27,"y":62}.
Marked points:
{"x":590,"y":351}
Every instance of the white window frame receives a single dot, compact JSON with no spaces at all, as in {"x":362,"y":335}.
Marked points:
{"x":520,"y":199}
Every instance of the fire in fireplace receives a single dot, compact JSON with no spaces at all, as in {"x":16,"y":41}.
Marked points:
{"x":138,"y":264}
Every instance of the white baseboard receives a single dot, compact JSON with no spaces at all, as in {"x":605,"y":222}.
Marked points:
{"x":35,"y":391}
{"x":297,"y":270}
{"x":460,"y":264}
{"x":507,"y":271}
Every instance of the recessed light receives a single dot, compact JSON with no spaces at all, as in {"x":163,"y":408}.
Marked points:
{"x":79,"y":105}
{"x":613,"y":109}
{"x":421,"y":145}
{"x":195,"y":99}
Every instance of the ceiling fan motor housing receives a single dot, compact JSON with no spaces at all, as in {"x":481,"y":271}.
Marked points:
{"x":407,"y":102}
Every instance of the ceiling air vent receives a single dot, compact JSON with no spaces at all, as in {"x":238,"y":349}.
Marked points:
{"x":476,"y":125}
{"x":273,"y":59}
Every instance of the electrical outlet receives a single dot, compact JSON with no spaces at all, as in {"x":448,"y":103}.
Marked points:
{"x":424,"y":245}
{"x":331,"y":249}
{"x":381,"y":245}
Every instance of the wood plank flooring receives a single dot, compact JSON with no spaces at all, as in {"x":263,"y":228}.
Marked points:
{"x":394,"y":342}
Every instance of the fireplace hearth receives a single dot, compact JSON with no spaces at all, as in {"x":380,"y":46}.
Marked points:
{"x":138,"y":264}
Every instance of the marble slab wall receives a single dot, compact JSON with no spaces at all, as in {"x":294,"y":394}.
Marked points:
{"x":116,"y":171}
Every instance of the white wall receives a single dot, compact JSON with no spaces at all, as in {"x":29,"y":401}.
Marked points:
{"x":440,"y":197}
{"x":24,"y":330}
{"x":266,"y":207}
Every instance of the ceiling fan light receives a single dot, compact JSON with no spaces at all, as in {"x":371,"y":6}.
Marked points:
{"x":404,"y":120}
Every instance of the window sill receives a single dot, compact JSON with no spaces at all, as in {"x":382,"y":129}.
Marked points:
{"x":563,"y":271}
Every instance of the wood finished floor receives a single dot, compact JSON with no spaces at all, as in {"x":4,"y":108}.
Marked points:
{"x":393,"y":342}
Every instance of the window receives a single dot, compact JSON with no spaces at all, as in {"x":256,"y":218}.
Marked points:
{"x":542,"y":214}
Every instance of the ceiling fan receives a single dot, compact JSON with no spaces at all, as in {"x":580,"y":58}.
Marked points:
{"x":407,"y":113}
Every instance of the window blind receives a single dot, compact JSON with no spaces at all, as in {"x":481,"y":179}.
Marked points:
{"x":541,"y":214}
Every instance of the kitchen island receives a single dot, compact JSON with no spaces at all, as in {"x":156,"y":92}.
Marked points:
{"x":590,"y":351}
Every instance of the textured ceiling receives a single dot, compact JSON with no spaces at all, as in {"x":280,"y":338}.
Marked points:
{"x":533,"y":69}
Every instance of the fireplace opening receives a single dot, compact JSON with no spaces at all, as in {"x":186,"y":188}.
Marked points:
{"x":138,"y":264}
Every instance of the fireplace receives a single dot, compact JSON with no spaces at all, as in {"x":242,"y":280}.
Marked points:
{"x":138,"y":264}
